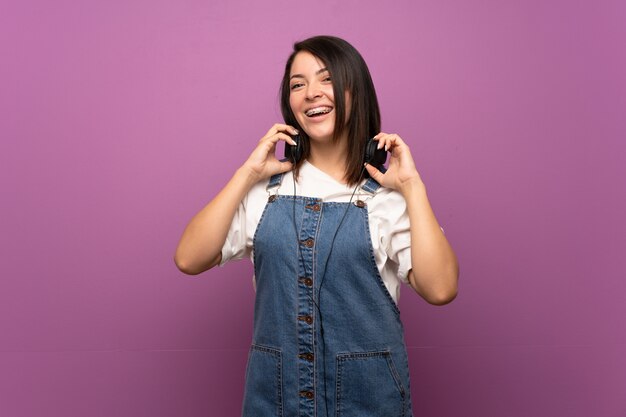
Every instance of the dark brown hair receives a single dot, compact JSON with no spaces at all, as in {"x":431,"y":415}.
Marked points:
{"x":349,"y":73}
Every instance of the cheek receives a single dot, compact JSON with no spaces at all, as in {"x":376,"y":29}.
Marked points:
{"x":293,"y":104}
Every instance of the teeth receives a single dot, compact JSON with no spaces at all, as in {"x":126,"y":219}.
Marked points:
{"x":318,"y":110}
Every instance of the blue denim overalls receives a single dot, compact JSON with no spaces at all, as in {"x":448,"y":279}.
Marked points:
{"x":352,"y":322}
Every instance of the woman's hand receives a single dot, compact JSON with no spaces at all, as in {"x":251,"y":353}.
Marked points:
{"x":435,"y":269}
{"x":401,"y":172}
{"x":200,"y":247}
{"x":262,"y":162}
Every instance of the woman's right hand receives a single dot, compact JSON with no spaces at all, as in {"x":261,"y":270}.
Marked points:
{"x":262,"y":162}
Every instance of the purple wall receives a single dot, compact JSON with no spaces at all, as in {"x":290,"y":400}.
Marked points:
{"x":119,"y":120}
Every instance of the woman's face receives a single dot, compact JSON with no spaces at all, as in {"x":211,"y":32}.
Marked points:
{"x":311,"y":96}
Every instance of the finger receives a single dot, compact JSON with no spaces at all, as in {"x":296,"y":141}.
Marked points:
{"x":273,"y":139}
{"x":279,"y":127}
{"x":380,"y":138}
{"x":374,"y":172}
{"x":285,"y":166}
{"x":384,"y":141}
{"x":284,"y":137}
{"x":392,"y":141}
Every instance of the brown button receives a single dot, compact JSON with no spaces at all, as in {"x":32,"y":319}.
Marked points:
{"x":359,"y":203}
{"x":306,"y":319}
{"x":316,"y":207}
{"x":307,"y":356}
{"x":308,"y":243}
{"x":307,"y":394}
{"x":307,"y":281}
{"x":271,"y":198}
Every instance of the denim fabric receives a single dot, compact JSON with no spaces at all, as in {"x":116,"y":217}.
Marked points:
{"x":365,"y":371}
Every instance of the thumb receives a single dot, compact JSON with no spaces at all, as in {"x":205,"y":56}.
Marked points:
{"x":285,"y":166}
{"x":374,"y":173}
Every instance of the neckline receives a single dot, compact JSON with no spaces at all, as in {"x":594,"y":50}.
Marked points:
{"x":307,"y":163}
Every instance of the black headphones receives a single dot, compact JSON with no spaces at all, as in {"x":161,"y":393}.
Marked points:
{"x":372,"y":156}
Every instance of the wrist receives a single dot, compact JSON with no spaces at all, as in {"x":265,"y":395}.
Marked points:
{"x":247,"y":176}
{"x":412,"y":186}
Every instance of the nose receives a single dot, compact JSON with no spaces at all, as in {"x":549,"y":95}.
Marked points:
{"x":313,"y":91}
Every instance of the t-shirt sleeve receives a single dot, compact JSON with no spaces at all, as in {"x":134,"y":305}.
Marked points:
{"x":239,"y":240}
{"x":398,"y":239}
{"x":235,"y":247}
{"x":394,"y":232}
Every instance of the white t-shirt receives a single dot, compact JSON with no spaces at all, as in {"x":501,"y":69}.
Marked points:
{"x":388,"y":221}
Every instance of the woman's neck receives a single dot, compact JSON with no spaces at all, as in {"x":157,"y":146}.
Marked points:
{"x":330,"y":158}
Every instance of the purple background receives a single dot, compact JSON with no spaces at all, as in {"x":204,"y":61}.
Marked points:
{"x":119,"y":120}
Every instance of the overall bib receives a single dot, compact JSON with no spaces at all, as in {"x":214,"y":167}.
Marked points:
{"x":337,"y":351}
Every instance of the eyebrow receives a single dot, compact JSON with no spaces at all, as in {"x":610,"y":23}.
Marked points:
{"x":302,"y":76}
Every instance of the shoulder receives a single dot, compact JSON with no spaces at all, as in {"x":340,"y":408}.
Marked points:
{"x":258,"y":190}
{"x":255,"y":198}
{"x":386,"y":198}
{"x":387,"y":208}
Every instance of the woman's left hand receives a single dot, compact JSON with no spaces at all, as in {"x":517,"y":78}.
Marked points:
{"x":401,"y":171}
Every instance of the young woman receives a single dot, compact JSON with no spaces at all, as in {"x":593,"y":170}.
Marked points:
{"x":331,"y":234}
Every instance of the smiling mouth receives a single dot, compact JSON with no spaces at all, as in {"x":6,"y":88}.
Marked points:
{"x":318,"y":111}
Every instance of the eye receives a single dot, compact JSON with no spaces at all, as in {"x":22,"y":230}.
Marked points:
{"x":296,"y":86}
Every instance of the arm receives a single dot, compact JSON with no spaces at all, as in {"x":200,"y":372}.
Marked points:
{"x":200,"y":247}
{"x":435,"y":271}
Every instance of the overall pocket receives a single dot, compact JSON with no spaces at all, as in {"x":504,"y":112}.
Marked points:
{"x":368,"y":385}
{"x":263,"y":389}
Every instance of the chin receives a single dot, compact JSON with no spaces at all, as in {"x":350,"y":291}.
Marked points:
{"x":320,"y":137}
{"x":319,"y":133}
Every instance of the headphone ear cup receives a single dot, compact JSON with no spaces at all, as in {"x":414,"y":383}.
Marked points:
{"x":373,"y":155}
{"x":294,"y":153}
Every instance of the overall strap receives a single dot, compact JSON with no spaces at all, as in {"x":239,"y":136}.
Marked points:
{"x":371,"y":185}
{"x":275,"y":181}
